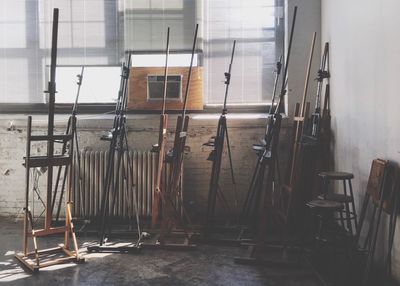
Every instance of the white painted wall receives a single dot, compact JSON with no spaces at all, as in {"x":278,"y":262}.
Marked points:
{"x":365,"y":99}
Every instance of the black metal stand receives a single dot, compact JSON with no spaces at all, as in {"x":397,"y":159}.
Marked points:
{"x":213,"y":232}
{"x":260,"y":205}
{"x":118,"y":144}
{"x":64,"y":151}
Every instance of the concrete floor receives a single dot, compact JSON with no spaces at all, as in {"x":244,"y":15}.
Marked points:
{"x":207,"y":265}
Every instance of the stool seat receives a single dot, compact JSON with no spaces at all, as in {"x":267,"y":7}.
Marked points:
{"x":341,"y":198}
{"x":325,"y":205}
{"x":336,"y":175}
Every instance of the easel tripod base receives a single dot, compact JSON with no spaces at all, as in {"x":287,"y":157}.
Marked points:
{"x":135,"y":248}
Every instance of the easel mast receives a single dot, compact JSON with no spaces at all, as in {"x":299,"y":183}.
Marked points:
{"x":51,"y":90}
{"x":218,"y":143}
{"x":160,"y":148}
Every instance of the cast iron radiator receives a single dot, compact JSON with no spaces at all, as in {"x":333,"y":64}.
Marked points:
{"x":87,"y":191}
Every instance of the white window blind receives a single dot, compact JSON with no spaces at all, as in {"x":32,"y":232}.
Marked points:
{"x":98,"y":32}
{"x":146,"y":22}
{"x":99,"y":84}
{"x":258,"y":28}
{"x":88,"y":35}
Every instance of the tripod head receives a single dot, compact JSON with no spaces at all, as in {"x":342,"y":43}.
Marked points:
{"x":121,"y":104}
{"x":278,"y":69}
{"x":228,"y":78}
{"x":264,"y":150}
{"x":79,"y":83}
{"x":323,"y":73}
{"x":122,"y":93}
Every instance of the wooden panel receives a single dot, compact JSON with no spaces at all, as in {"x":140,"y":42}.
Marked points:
{"x":137,"y":96}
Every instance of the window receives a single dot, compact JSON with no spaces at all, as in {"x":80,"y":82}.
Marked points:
{"x":258,"y":28}
{"x":88,"y":33}
{"x":99,"y":84}
{"x":146,"y":23}
{"x":18,"y":55}
{"x":97,"y":33}
{"x":158,"y":60}
{"x":155,"y":87}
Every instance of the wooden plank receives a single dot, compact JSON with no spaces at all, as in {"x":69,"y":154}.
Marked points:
{"x":298,"y":118}
{"x":63,"y":137}
{"x":56,"y":261}
{"x":45,"y":232}
{"x":45,"y":251}
{"x":44,"y":161}
{"x":73,"y":254}
{"x":27,"y":263}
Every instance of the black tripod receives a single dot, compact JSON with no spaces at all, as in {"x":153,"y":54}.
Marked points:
{"x":253,"y":198}
{"x":260,"y":202}
{"x":118,"y":145}
{"x":64,"y":150}
{"x":217,"y":143}
{"x":312,"y":134}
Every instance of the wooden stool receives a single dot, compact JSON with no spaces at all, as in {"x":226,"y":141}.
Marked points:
{"x":329,"y":234}
{"x":324,"y":210}
{"x":346,"y":198}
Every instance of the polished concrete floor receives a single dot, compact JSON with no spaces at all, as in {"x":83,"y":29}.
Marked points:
{"x":207,"y":265}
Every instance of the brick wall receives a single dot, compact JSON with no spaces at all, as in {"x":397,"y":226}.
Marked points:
{"x":143,"y":132}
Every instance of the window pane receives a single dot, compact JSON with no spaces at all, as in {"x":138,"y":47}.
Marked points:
{"x":88,"y":34}
{"x":14,"y":81}
{"x":99,"y":84}
{"x":146,"y":22}
{"x":13,"y":35}
{"x":258,"y":32}
{"x":98,"y":32}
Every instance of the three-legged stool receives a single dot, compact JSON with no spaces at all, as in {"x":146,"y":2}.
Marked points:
{"x":348,"y":214}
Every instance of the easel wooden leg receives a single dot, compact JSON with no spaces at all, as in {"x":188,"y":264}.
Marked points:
{"x":72,"y":229}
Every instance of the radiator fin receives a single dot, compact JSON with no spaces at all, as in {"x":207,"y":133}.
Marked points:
{"x":88,"y":186}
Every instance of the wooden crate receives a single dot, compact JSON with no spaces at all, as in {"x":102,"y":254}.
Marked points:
{"x":137,"y":94}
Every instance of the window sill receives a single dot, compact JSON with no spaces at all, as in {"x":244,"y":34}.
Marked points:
{"x":138,"y":121}
{"x":41,"y":108}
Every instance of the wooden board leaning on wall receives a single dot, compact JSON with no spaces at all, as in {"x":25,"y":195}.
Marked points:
{"x":138,"y":88}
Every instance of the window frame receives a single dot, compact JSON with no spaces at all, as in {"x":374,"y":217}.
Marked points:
{"x":42,"y":108}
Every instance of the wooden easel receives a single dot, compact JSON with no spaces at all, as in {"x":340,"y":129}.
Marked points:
{"x":301,"y":155}
{"x":382,"y":197}
{"x":32,"y":260}
{"x":159,"y":148}
{"x":175,"y":223}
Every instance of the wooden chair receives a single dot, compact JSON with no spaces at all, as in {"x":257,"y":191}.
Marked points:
{"x":381,"y":196}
